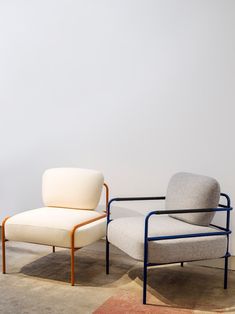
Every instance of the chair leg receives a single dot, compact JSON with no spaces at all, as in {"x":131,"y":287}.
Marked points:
{"x":145,"y":274}
{"x":182,"y":264}
{"x":53,"y":249}
{"x":107,"y":256}
{"x":72,"y":250}
{"x":226,"y":272}
{"x":72,"y":266}
{"x":4,"y":246}
{"x":3,"y":251}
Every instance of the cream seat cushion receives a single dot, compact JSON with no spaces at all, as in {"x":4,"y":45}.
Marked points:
{"x":52,"y":226}
{"x":128,"y":235}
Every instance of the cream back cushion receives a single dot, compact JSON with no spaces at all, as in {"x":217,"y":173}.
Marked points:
{"x":192,"y":191}
{"x":72,"y":188}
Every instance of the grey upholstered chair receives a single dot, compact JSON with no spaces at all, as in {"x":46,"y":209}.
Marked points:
{"x":181,"y":232}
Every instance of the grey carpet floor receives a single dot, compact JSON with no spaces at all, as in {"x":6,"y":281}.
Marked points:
{"x":37,"y":281}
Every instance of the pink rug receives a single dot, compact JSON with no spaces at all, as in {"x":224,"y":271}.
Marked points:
{"x":128,"y":303}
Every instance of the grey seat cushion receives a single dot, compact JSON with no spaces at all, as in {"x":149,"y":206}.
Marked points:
{"x":128,"y":235}
{"x":192,"y":191}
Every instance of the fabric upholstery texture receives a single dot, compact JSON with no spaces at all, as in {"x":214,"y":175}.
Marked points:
{"x":191,"y":191}
{"x":72,"y":188}
{"x":128,"y":235}
{"x":52,"y":226}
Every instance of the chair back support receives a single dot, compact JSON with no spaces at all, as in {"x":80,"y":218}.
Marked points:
{"x":72,"y":188}
{"x":192,"y":191}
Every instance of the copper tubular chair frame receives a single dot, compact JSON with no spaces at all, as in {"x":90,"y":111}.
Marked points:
{"x":72,"y":237}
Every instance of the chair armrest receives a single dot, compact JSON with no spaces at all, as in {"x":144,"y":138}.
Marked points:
{"x":130,"y":199}
{"x":225,"y":231}
{"x":86,"y":222}
{"x":178,"y":211}
{"x":227,"y":199}
{"x":185,"y":211}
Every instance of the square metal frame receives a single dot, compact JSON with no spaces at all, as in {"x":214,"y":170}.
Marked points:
{"x":222,"y":231}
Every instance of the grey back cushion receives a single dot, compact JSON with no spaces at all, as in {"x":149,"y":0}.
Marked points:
{"x":192,"y":191}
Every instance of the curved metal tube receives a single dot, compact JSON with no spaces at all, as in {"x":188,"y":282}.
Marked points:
{"x":72,"y":234}
{"x":107,"y":196}
{"x":3,"y":246}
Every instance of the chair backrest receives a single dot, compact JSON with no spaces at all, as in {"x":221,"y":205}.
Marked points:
{"x":72,"y":188}
{"x":192,"y":191}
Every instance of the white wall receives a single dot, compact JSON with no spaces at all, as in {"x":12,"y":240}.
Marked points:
{"x":138,"y":89}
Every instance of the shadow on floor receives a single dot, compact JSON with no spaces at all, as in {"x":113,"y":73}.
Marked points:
{"x":189,"y":287}
{"x":89,"y":268}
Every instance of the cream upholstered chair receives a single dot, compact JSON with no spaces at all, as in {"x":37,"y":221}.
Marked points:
{"x":181,"y":232}
{"x":68,"y":218}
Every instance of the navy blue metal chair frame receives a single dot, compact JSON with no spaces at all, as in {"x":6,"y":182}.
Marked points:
{"x":224,"y":231}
